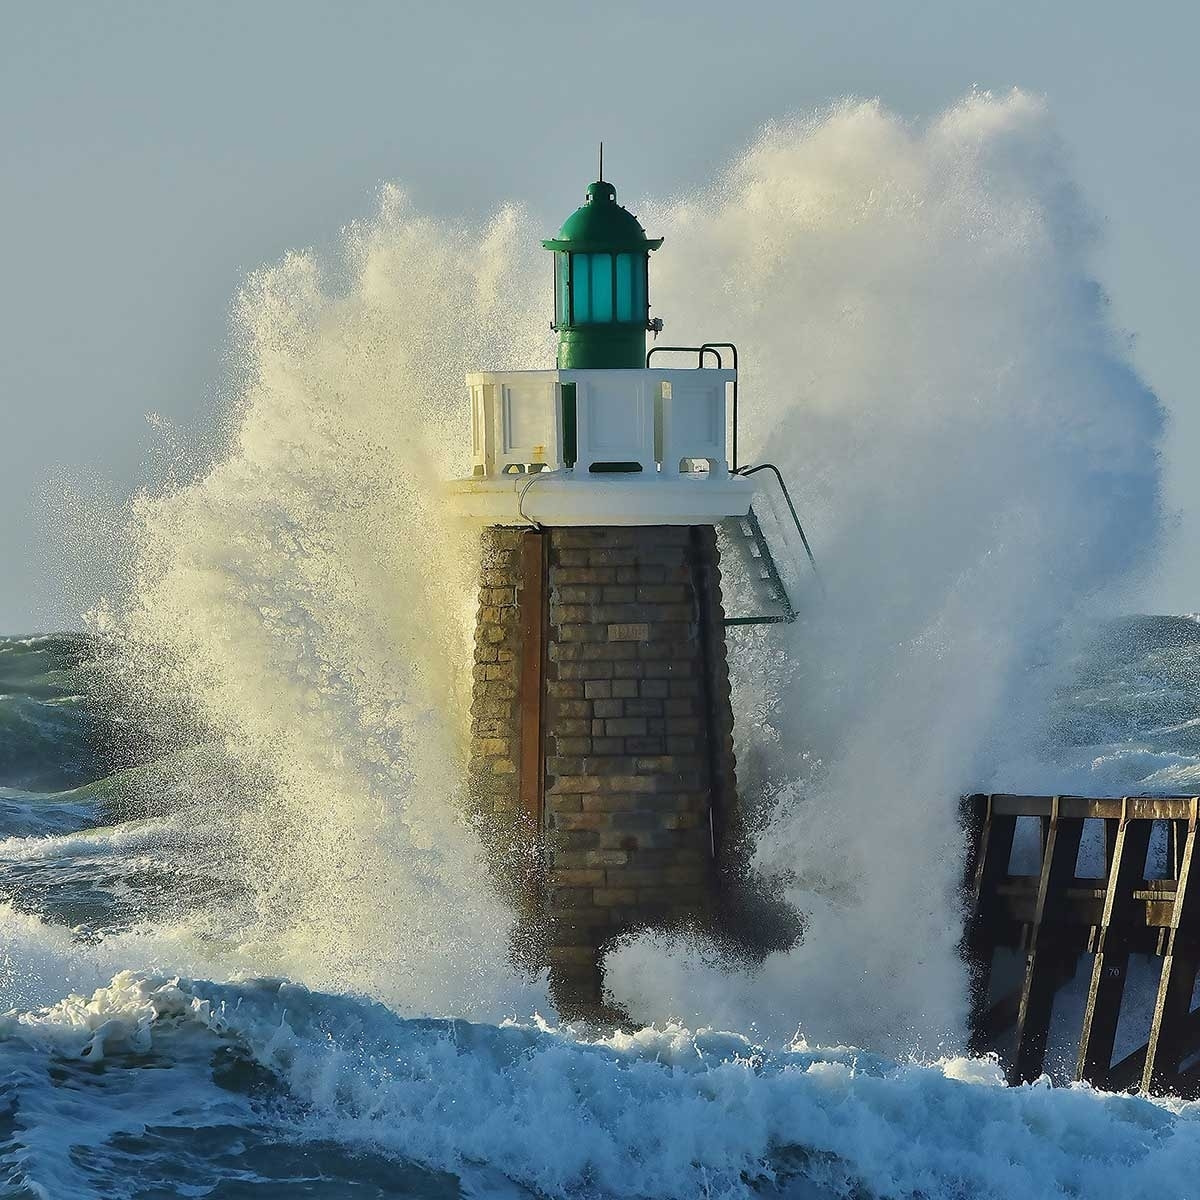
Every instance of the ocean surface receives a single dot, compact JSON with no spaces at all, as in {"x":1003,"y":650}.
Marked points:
{"x":143,"y":1083}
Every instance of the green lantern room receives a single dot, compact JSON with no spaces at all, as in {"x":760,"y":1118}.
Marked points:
{"x":601,"y":294}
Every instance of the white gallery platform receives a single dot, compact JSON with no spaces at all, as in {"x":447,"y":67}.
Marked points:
{"x":601,"y":447}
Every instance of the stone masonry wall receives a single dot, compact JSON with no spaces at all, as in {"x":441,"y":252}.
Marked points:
{"x":628,"y":769}
{"x":510,"y":837}
{"x":635,"y":733}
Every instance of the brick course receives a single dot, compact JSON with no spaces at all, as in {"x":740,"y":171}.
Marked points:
{"x":637,"y":754}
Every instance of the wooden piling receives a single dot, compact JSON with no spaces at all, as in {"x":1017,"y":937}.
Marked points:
{"x":1055,"y":916}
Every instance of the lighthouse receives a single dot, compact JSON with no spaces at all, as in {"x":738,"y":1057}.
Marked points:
{"x":602,"y":773}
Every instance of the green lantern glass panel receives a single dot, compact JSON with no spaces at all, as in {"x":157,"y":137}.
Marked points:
{"x":581,"y":289}
{"x":602,"y":288}
{"x":625,"y":305}
{"x":592,"y":289}
{"x":641,"y":268}
{"x":562,"y":294}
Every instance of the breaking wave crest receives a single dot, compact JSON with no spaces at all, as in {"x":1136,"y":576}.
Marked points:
{"x":664,"y":1112}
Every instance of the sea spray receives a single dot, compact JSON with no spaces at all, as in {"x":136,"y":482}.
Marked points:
{"x":923,"y":352}
{"x":307,"y":600}
{"x":926,"y":355}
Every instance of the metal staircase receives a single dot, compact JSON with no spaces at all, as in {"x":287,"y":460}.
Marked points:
{"x":753,"y":567}
{"x":747,"y":563}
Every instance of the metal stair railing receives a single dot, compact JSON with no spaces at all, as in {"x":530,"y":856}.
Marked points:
{"x":746,"y":533}
{"x":746,"y":472}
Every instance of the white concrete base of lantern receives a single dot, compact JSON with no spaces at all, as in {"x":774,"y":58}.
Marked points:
{"x":571,"y":498}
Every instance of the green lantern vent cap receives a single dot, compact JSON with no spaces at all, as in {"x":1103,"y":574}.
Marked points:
{"x":601,"y":225}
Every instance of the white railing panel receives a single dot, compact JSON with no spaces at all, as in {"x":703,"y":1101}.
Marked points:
{"x":693,"y":422}
{"x":614,"y":418}
{"x":482,"y":451}
{"x":516,"y":420}
{"x":528,"y":423}
{"x":647,"y":417}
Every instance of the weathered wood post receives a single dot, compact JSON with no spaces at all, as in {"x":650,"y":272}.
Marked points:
{"x":1056,"y":917}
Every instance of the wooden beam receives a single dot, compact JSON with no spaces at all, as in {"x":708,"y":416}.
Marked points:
{"x":1127,"y":1074}
{"x":1127,"y":864}
{"x":1164,"y":1048}
{"x":1045,"y":965}
{"x":1142,"y":808}
{"x":994,"y":840}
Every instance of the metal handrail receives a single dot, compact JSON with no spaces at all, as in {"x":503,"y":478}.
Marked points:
{"x":699,"y":351}
{"x":747,"y":471}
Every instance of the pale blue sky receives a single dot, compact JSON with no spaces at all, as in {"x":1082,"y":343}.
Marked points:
{"x":153,"y":153}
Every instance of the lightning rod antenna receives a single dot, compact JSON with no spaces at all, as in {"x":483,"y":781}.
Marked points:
{"x":601,"y":162}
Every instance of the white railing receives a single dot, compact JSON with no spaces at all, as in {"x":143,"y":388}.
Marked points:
{"x":654,"y":422}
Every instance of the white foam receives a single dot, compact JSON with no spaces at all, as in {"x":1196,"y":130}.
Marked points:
{"x":106,"y":841}
{"x":41,"y":962}
{"x":666,"y":1113}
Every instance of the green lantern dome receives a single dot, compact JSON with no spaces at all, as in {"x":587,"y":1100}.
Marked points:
{"x":602,"y":224}
{"x":601,"y":269}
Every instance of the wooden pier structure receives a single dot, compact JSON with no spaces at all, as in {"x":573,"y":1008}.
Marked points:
{"x":1057,"y":917}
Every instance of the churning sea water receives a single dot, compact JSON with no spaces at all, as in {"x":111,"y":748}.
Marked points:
{"x":249,"y":947}
{"x":120,"y":1078}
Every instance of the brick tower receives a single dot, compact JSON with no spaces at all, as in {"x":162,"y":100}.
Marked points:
{"x":602,"y":769}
